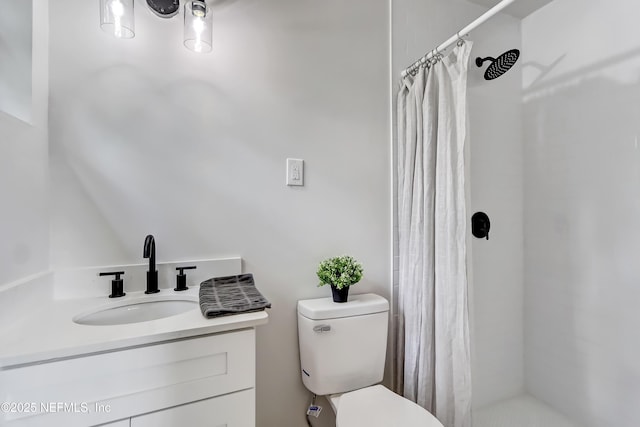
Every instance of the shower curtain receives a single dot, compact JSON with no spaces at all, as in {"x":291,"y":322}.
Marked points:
{"x":433,"y":351}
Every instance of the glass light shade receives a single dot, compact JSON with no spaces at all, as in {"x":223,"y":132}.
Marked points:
{"x":198,"y":26}
{"x":116,"y":18}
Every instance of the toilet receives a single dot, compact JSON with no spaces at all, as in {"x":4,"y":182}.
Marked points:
{"x":342,"y":353}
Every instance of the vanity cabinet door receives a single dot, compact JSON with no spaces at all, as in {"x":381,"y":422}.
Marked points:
{"x":231,"y":410}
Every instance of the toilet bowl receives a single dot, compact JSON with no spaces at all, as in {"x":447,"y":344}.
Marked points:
{"x":377,"y":406}
{"x":342,"y":355}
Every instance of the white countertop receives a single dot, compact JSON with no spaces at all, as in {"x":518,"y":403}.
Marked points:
{"x":50,"y":333}
{"x":47,"y":332}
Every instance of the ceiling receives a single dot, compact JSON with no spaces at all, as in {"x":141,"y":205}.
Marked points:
{"x":519,"y":9}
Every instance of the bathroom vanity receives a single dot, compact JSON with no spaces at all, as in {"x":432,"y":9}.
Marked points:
{"x":179,"y":370}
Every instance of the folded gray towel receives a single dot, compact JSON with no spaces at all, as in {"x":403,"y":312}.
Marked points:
{"x":224,"y":296}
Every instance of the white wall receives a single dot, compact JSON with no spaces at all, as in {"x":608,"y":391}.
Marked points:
{"x":495,"y":183}
{"x":15,"y":57}
{"x":582,"y":209}
{"x":147,"y":137}
{"x":24,"y":217}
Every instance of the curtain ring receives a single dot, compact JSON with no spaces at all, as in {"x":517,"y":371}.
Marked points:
{"x":434,"y":56}
{"x":415,"y":68}
{"x":460,"y":39}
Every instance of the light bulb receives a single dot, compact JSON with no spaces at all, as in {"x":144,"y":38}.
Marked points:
{"x":117,"y":8}
{"x":198,"y":27}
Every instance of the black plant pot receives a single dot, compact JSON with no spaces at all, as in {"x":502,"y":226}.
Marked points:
{"x":340,"y":295}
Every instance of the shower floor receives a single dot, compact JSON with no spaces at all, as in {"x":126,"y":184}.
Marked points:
{"x":521,"y":411}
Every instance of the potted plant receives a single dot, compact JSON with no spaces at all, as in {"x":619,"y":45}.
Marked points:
{"x":340,"y":273}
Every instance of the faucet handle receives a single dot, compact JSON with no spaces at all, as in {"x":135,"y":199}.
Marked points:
{"x":117,"y":284}
{"x":181,"y":278}
{"x":112,"y":273}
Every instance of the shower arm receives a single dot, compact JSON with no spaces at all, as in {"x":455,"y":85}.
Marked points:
{"x":480,"y":61}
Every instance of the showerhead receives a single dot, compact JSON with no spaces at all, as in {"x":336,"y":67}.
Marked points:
{"x":500,"y":65}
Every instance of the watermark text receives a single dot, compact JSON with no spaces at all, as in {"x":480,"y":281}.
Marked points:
{"x":53,"y":407}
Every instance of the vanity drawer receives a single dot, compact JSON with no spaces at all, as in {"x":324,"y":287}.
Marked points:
{"x":109,"y":386}
{"x":231,"y":410}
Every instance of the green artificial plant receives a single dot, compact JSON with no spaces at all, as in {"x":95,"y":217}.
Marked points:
{"x":341,"y":272}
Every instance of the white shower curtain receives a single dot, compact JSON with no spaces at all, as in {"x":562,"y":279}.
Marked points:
{"x":433,"y":349}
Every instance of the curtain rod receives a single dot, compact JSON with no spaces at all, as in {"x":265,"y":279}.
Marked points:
{"x":457,"y":36}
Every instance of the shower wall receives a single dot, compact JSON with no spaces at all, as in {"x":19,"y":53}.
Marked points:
{"x":581,"y":92}
{"x":495,"y":179}
{"x":495,"y":141}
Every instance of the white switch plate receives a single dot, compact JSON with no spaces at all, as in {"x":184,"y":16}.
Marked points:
{"x":295,"y":172}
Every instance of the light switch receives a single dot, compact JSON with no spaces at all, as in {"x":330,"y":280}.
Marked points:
{"x":295,"y":172}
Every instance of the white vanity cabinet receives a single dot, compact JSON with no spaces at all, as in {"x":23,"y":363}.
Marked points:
{"x":199,"y":381}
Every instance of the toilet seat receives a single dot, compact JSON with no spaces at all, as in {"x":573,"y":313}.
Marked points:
{"x":377,"y":406}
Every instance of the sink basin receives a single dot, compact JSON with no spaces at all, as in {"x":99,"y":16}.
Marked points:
{"x":136,"y":311}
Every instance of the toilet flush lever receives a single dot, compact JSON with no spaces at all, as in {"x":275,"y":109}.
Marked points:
{"x":322,"y":328}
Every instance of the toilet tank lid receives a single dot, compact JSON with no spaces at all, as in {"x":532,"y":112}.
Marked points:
{"x":357,"y":305}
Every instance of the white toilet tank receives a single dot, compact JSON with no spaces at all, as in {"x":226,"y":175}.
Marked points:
{"x":342,"y":345}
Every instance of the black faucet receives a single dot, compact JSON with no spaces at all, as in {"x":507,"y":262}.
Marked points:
{"x":152,"y":275}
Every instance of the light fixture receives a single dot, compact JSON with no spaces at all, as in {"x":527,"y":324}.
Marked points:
{"x":198,"y":25}
{"x":116,"y":18}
